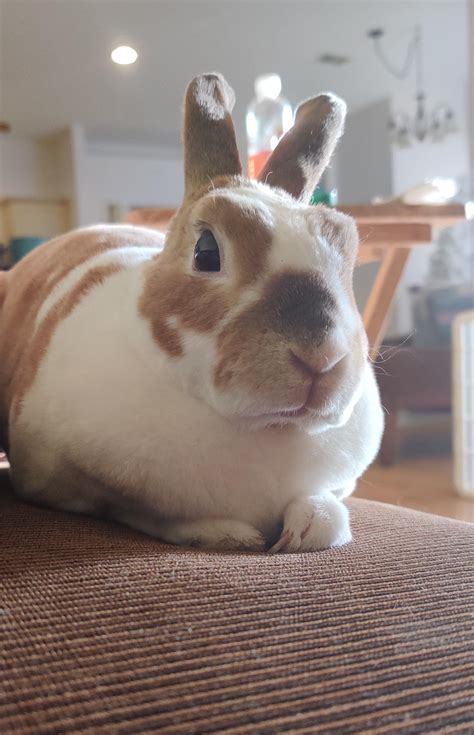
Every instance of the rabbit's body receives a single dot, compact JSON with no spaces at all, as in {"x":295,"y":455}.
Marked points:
{"x":190,"y":417}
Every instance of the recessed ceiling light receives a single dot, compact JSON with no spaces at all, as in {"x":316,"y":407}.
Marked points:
{"x":124,"y":55}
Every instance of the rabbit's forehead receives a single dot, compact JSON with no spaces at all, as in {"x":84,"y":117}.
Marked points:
{"x":269,"y":232}
{"x":248,"y":224}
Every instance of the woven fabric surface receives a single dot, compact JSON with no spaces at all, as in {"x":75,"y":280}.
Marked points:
{"x":104,"y":630}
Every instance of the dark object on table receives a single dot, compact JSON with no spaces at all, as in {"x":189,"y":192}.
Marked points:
{"x":434,"y":311}
{"x":21,"y":246}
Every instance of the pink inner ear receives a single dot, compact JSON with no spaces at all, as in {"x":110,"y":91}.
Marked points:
{"x":298,"y":161}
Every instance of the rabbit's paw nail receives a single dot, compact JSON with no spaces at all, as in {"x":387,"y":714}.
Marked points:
{"x":314,"y":524}
{"x":282,"y":543}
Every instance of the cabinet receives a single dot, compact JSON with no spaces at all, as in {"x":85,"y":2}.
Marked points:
{"x":417,"y":380}
{"x":33,"y":218}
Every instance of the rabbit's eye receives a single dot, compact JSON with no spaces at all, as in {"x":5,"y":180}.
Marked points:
{"x":206,"y":253}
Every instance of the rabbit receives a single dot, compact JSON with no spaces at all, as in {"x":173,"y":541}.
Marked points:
{"x":211,"y":388}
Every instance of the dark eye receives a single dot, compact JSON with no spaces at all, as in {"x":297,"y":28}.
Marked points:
{"x":206,"y":253}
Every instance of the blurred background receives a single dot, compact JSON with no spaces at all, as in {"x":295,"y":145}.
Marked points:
{"x":85,"y":140}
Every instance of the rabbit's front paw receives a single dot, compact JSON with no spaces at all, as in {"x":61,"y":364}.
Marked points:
{"x":313,"y":524}
{"x":219,"y":533}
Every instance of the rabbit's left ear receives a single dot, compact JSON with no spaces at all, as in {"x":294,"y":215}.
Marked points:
{"x":298,"y":161}
{"x":210,"y":147}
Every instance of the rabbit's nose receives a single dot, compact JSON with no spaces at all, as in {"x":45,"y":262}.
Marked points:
{"x":319,"y":361}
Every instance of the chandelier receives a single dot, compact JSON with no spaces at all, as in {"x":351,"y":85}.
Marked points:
{"x":423,"y":125}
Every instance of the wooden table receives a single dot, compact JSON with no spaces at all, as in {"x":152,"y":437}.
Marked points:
{"x":388,"y":232}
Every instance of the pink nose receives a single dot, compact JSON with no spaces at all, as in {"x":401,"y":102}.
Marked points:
{"x":317,"y":362}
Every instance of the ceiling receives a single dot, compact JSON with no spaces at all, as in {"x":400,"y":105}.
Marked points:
{"x":56,"y":69}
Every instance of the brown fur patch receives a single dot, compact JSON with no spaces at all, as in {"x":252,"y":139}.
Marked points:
{"x":251,"y":358}
{"x":30,"y":283}
{"x":43,"y":335}
{"x":178,"y":226}
{"x":215,"y":183}
{"x":194,"y":302}
{"x":295,"y":309}
{"x":247,"y":229}
{"x":313,"y":137}
{"x":210,"y":148}
{"x":198,"y":302}
{"x":298,"y":307}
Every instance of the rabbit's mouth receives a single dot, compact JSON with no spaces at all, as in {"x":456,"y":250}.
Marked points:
{"x":285,"y":415}
{"x":313,"y":419}
{"x":295,"y":415}
{"x":328,"y":402}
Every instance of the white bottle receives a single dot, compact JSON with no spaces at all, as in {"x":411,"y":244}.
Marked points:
{"x":269,"y":116}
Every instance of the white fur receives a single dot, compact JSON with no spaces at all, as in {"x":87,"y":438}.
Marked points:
{"x":194,"y":448}
{"x":123,"y":256}
{"x":115,"y":423}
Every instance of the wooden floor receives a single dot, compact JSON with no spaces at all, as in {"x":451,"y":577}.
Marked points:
{"x":421,"y":483}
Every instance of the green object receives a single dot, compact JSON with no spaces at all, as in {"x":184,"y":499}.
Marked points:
{"x":21,"y":246}
{"x":320,"y":196}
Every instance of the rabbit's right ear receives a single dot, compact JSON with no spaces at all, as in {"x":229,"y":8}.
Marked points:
{"x":303,"y":153}
{"x":210,"y":147}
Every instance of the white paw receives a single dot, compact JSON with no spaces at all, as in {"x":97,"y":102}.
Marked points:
{"x":313,"y":524}
{"x":222,"y":534}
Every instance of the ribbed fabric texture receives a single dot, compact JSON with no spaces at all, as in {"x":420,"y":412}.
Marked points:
{"x":104,"y":630}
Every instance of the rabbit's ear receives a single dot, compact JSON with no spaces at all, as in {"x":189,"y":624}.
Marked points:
{"x":210,"y":147}
{"x":303,"y":153}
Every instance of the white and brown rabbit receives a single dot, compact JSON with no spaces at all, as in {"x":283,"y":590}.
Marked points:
{"x":215,"y":392}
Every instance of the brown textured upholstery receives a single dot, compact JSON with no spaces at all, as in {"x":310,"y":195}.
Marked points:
{"x":104,"y":630}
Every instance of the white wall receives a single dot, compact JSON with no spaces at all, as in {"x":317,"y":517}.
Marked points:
{"x":362,"y":170}
{"x":367,"y":165}
{"x":126,"y":175}
{"x":363,"y":159}
{"x":23,"y":164}
{"x":94,"y":174}
{"x":35,"y":168}
{"x":448,"y":158}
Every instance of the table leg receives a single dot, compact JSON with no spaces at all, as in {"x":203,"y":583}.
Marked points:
{"x":382,"y":294}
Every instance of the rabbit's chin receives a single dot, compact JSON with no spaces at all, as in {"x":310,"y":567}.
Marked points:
{"x":309,"y":421}
{"x":332,"y":412}
{"x":332,"y":415}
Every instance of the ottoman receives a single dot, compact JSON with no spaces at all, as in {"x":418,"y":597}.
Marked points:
{"x":104,"y":630}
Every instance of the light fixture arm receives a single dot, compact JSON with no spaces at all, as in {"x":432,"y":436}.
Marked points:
{"x":414,"y":57}
{"x":402,"y":72}
{"x":436,"y":125}
{"x":418,"y":60}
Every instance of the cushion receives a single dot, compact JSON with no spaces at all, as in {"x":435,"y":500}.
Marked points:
{"x":105,"y":630}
